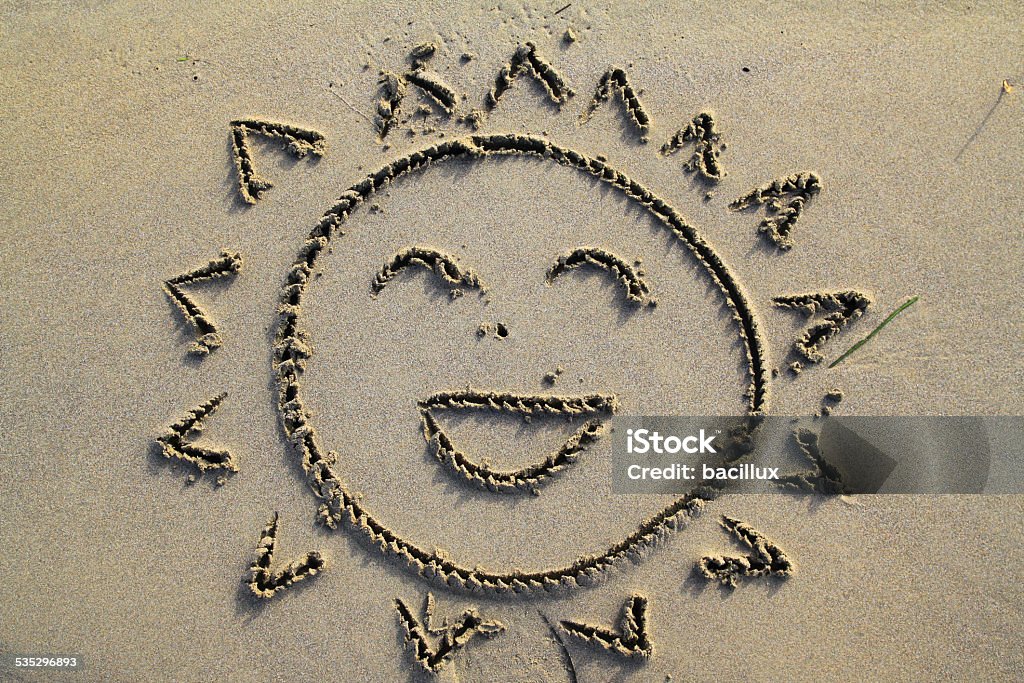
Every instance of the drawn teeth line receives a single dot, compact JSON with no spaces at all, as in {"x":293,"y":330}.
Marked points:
{"x":518,"y":403}
{"x":528,"y":478}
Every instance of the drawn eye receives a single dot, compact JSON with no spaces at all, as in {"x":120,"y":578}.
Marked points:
{"x":443,"y":265}
{"x":635,"y":289}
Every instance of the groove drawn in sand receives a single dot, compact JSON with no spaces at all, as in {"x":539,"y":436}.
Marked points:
{"x":394,"y":88}
{"x":389,"y":106}
{"x":707,"y":146}
{"x":637,"y":290}
{"x":174,"y":441}
{"x":766,"y":560}
{"x":525,"y":60}
{"x":207,"y":339}
{"x":428,"y":617}
{"x":797,"y":189}
{"x":298,"y":141}
{"x":631,"y":640}
{"x":432,"y":84}
{"x":265,"y":582}
{"x":614,"y":81}
{"x":824,"y":478}
{"x":521,"y":403}
{"x":453,"y":638}
{"x":841,"y":308}
{"x":444,"y":265}
{"x":531,"y":477}
{"x":292,"y":349}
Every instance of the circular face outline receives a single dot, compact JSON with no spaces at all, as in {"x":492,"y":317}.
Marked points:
{"x":292,"y":348}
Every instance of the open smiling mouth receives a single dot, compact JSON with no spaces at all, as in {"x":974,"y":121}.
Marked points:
{"x":533,"y":475}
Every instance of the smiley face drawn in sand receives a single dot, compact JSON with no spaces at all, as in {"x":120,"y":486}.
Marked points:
{"x":294,"y":353}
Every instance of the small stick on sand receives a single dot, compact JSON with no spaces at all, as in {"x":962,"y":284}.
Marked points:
{"x":910,"y":302}
{"x":351,"y":106}
{"x":1005,"y":89}
{"x":570,"y":667}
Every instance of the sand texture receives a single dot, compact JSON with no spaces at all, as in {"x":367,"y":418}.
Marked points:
{"x":314,"y":319}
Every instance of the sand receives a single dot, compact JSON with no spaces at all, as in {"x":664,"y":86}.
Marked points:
{"x":119,"y":174}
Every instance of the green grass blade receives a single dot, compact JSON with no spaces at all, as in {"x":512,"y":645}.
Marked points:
{"x":907,"y":304}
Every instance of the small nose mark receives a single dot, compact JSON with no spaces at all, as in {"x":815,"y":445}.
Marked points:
{"x":486,"y":329}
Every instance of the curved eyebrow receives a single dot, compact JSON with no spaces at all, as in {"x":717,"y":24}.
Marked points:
{"x":636,"y":289}
{"x":443,"y":265}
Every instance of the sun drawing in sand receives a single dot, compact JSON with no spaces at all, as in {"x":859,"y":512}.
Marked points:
{"x":784,"y":202}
